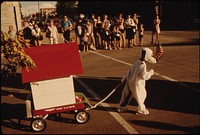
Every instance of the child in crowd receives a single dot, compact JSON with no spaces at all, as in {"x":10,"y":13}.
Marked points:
{"x":85,"y":42}
{"x":53,"y":33}
{"x":117,"y":38}
{"x":141,"y":33}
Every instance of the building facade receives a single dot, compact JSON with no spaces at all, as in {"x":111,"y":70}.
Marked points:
{"x":11,"y":15}
{"x":45,"y":11}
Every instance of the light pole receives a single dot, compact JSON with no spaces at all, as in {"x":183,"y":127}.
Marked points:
{"x":39,"y":10}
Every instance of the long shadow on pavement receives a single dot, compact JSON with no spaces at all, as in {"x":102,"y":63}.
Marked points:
{"x":164,"y":95}
{"x":166,"y":126}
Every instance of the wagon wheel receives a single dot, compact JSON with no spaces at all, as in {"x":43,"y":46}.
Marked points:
{"x":82,"y":117}
{"x":38,"y":124}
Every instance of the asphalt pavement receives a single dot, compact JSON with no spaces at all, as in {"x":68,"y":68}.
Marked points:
{"x":172,"y":93}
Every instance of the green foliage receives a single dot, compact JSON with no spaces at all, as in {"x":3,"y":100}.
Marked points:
{"x":13,"y":54}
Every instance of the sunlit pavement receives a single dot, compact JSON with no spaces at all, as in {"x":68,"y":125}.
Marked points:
{"x":172,"y":93}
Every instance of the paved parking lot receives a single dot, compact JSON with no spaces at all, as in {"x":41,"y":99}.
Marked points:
{"x":172,"y":93}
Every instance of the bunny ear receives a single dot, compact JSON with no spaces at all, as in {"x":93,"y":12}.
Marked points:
{"x":159,"y":51}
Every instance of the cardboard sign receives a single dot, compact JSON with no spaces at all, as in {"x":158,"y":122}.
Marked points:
{"x":52,"y":93}
{"x":53,"y":61}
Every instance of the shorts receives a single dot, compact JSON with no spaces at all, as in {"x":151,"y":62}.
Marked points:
{"x":121,"y":30}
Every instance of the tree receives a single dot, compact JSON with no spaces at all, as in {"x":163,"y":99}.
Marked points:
{"x":66,"y":8}
{"x":13,"y":54}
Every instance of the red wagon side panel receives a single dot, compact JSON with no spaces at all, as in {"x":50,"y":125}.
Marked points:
{"x":59,"y":109}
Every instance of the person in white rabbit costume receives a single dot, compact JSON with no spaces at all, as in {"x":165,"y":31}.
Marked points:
{"x":135,"y":81}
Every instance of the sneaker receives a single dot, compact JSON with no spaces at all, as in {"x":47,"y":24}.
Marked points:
{"x":143,"y":112}
{"x":122,"y":109}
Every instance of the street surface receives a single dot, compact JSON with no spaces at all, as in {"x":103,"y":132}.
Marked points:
{"x":172,"y":93}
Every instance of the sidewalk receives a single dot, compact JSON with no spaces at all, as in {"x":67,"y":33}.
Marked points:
{"x":166,"y":37}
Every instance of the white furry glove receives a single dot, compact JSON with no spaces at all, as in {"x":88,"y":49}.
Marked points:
{"x":151,"y":71}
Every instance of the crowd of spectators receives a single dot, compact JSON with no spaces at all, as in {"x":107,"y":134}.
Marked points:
{"x":94,"y":32}
{"x":107,"y":33}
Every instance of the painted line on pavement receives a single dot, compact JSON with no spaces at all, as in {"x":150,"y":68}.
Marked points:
{"x":124,"y":124}
{"x":162,"y":76}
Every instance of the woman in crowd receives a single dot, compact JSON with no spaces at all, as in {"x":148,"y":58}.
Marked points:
{"x":93,"y":20}
{"x":98,"y":27}
{"x":120,"y":23}
{"x":106,"y":33}
{"x":136,"y":21}
{"x":157,"y":26}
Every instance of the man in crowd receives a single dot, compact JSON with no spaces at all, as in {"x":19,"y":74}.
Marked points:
{"x":66,"y":28}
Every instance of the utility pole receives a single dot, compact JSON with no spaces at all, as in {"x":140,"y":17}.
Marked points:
{"x":161,"y":9}
{"x":39,"y":10}
{"x":15,"y":14}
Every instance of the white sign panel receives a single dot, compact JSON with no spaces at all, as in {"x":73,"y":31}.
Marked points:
{"x":53,"y":93}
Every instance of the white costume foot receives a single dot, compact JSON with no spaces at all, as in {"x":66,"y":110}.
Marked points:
{"x":143,"y":112}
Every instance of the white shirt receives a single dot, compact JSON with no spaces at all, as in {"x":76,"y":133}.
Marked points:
{"x":54,"y":31}
{"x":129,"y":23}
{"x":36,"y":32}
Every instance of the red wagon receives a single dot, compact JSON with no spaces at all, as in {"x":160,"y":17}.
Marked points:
{"x":52,"y":84}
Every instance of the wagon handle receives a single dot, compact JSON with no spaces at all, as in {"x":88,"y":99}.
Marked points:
{"x":105,"y":97}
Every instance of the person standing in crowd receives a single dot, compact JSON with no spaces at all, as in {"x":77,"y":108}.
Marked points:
{"x":141,"y":34}
{"x":37,"y":36}
{"x":117,"y":37}
{"x":53,"y":38}
{"x":66,"y":28}
{"x":89,"y":33}
{"x":85,"y":42}
{"x":156,"y":30}
{"x":27,"y":31}
{"x":106,"y":33}
{"x":11,"y":31}
{"x":112,"y":36}
{"x":78,"y":30}
{"x":93,"y":20}
{"x":129,"y":23}
{"x":136,"y":21}
{"x":98,"y":27}
{"x":120,"y":23}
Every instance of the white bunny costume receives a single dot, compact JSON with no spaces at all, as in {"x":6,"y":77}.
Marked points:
{"x":135,"y":80}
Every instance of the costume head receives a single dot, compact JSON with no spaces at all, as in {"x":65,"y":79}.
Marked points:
{"x":147,"y":55}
